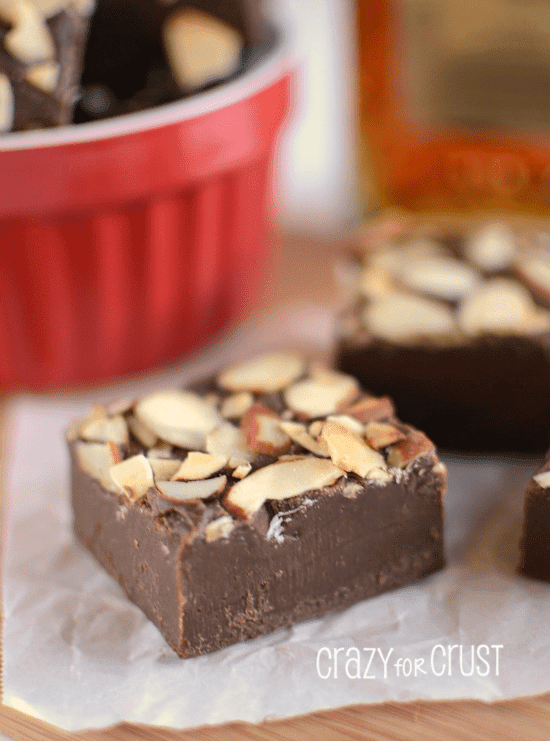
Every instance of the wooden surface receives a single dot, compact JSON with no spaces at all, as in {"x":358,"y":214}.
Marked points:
{"x":306,"y":269}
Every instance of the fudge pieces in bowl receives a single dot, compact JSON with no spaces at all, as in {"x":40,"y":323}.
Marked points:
{"x":455,"y":327}
{"x":276,"y":491}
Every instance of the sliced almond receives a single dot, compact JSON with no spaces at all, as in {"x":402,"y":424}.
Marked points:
{"x":97,"y":459}
{"x":348,"y":421}
{"x":402,"y":318}
{"x":298,"y":433}
{"x":262,"y":431}
{"x":371,"y":409}
{"x":106,"y":429}
{"x":440,"y":277}
{"x":201,"y":48}
{"x":178,"y":417}
{"x":228,"y":440}
{"x":134,"y":476}
{"x":543,"y":479}
{"x":500,"y":306}
{"x":491,"y":248}
{"x":380,"y":434}
{"x":141,"y":432}
{"x":535,"y":272}
{"x":29,"y":38}
{"x":220,"y":528}
{"x":375,"y":281}
{"x":236,"y":405}
{"x":184,"y":491}
{"x":6,"y":104}
{"x":325,"y":392}
{"x":316,"y":427}
{"x":44,"y":76}
{"x":382,"y":476}
{"x":349,"y":451}
{"x":279,"y":481}
{"x":415,"y":445}
{"x":263,"y":374}
{"x":164,"y":468}
{"x":242,"y":470}
{"x":199,"y":466}
{"x":392,"y":260}
{"x":162,"y":450}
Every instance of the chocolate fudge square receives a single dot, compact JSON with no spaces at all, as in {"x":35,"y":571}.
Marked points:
{"x":274,"y":492}
{"x":455,"y":328}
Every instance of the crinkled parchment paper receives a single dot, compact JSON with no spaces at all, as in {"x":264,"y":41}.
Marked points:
{"x":78,"y":654}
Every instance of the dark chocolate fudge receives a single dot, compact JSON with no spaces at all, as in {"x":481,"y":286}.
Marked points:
{"x":273,"y":492}
{"x":455,"y":328}
{"x":535,"y":543}
{"x":41,"y":49}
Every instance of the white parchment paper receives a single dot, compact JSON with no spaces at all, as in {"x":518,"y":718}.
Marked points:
{"x":79,"y":655}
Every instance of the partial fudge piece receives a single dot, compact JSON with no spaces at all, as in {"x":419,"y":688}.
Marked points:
{"x":455,"y":327}
{"x":535,"y":543}
{"x":41,"y":50}
{"x":273,"y":492}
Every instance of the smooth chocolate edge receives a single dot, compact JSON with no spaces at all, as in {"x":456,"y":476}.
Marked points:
{"x":535,"y":539}
{"x":490,"y":395}
{"x":205,"y":596}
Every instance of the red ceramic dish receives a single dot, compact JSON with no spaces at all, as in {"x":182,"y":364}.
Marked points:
{"x":126,"y":243}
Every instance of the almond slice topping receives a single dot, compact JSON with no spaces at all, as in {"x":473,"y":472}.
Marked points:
{"x":134,"y":476}
{"x":279,"y":481}
{"x":325,"y":392}
{"x":228,"y":440}
{"x":401,"y":318}
{"x":236,"y":405}
{"x":163,"y":468}
{"x":97,"y":459}
{"x":440,"y":277}
{"x":262,"y":431}
{"x":535,"y":271}
{"x":349,"y":451}
{"x":6,"y":103}
{"x":105,"y":429}
{"x":348,"y":421}
{"x":242,"y":470}
{"x":184,"y":491}
{"x":298,"y":433}
{"x":500,"y":306}
{"x":381,"y":434}
{"x":141,"y":432}
{"x":178,"y":417}
{"x":371,"y":409}
{"x":265,"y":373}
{"x":199,"y":466}
{"x":29,"y":38}
{"x":543,"y":479}
{"x":414,"y":445}
{"x":491,"y":248}
{"x":220,"y":528}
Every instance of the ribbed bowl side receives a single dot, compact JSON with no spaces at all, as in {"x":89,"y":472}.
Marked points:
{"x":91,"y":297}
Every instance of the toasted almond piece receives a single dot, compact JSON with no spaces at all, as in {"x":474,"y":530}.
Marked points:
{"x":199,"y":466}
{"x":279,"y":481}
{"x":242,"y":470}
{"x":178,"y":417}
{"x":348,"y":421}
{"x":98,"y":411}
{"x":440,"y":277}
{"x":380,"y":474}
{"x":236,"y":405}
{"x":97,"y":459}
{"x":200,"y":48}
{"x":491,"y":248}
{"x":415,"y":444}
{"x":393,"y":259}
{"x":234,"y":463}
{"x":164,"y":468}
{"x":72,"y":433}
{"x":381,"y":434}
{"x":349,"y":451}
{"x":141,"y":432}
{"x":500,"y":306}
{"x":375,"y":281}
{"x":262,"y":431}
{"x":105,"y":429}
{"x":543,"y":479}
{"x":183,"y":491}
{"x":325,"y":392}
{"x":29,"y":38}
{"x":535,"y":272}
{"x":226,"y":439}
{"x":162,"y":450}
{"x":402,"y":318}
{"x":265,"y":373}
{"x":371,"y":409}
{"x":134,"y":476}
{"x":220,"y":528}
{"x":6,"y":104}
{"x":316,"y":427}
{"x":44,"y":76}
{"x":298,"y":433}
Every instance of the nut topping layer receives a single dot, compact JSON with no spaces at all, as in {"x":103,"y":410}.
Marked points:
{"x":260,"y":431}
